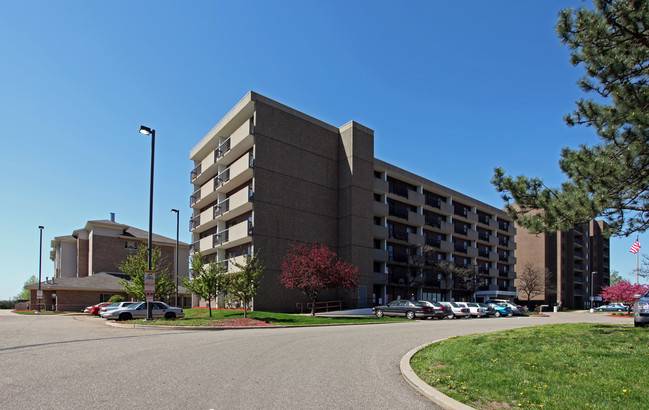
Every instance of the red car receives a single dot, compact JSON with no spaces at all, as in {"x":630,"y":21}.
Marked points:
{"x":94,"y":310}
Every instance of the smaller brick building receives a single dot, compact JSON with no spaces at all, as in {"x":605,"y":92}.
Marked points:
{"x":86,"y":264}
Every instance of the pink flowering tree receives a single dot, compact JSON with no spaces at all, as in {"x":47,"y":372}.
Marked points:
{"x":622,"y":292}
{"x":311,"y":269}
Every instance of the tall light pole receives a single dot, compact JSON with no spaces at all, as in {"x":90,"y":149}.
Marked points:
{"x":592,"y":291}
{"x":177,"y":212}
{"x":39,"y":293}
{"x":149,"y":131}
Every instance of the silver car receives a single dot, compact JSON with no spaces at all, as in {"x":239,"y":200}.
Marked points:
{"x":641,"y":310}
{"x":476,"y":310}
{"x":138,"y":311}
{"x":113,"y":306}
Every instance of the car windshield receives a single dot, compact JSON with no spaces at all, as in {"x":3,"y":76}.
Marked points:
{"x":455,"y":304}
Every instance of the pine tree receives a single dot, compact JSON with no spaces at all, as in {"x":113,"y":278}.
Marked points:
{"x":610,"y":179}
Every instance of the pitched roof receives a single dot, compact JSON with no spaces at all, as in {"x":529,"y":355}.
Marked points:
{"x":130,"y":231}
{"x":103,"y":281}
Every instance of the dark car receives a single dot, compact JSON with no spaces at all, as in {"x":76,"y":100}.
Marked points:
{"x":406,"y":308}
{"x":440,"y":311}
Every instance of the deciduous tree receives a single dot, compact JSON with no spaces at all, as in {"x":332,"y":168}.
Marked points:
{"x":135,"y":265}
{"x":530,"y":282}
{"x":311,"y":269}
{"x":610,"y":179}
{"x":24,"y":294}
{"x":623,"y":292}
{"x":244,"y":284}
{"x":207,"y":279}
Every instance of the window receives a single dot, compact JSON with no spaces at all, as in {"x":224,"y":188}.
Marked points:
{"x":105,"y":296}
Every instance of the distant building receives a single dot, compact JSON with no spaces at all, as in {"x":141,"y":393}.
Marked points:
{"x":267,"y":176}
{"x":577,"y":261}
{"x":86,"y":264}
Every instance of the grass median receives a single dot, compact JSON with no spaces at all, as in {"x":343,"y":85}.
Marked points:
{"x":227,"y":317}
{"x":569,"y":366}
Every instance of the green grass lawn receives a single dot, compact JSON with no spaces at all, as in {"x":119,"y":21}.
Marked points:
{"x":223,"y":317}
{"x":572,"y":366}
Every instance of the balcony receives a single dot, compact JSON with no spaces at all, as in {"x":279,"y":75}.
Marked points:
{"x":194,"y":222}
{"x":380,"y":255}
{"x":472,"y":252}
{"x":195,"y":172}
{"x":433,"y":241}
{"x":194,"y":247}
{"x":415,"y":218}
{"x":195,"y":197}
{"x":380,"y":208}
{"x":233,"y":236}
{"x":397,"y":189}
{"x":222,"y":149}
{"x":415,"y":239}
{"x":240,"y":141}
{"x":380,"y":185}
{"x":236,"y":174}
{"x":415,"y":196}
{"x":379,"y":231}
{"x":433,"y":202}
{"x":399,"y":235}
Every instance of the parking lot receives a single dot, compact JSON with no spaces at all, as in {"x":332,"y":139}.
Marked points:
{"x":79,"y":362}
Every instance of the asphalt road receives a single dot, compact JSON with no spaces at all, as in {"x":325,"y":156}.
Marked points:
{"x":77,"y":362}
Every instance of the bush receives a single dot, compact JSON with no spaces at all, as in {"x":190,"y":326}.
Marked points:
{"x":7,"y":304}
{"x":116,"y":299}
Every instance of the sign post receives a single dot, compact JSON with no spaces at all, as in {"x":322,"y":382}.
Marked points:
{"x":149,"y":285}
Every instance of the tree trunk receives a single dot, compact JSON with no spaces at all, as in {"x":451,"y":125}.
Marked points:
{"x":313,"y":302}
{"x":209,"y":306}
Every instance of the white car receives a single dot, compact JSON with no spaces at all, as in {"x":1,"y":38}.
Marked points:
{"x":476,"y":310}
{"x":138,"y":311}
{"x":458,"y":311}
{"x":116,"y":305}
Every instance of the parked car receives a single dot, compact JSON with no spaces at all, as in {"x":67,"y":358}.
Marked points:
{"x":516,"y":309}
{"x":138,"y":311}
{"x":407,"y":308}
{"x":641,"y":310}
{"x":500,"y":310}
{"x":116,"y":305}
{"x":474,"y":309}
{"x":458,"y":311}
{"x":440,"y":310}
{"x":488,"y":309}
{"x":612,"y":307}
{"x":95,"y":309}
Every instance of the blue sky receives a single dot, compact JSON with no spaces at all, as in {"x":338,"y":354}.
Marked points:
{"x":451,"y":90}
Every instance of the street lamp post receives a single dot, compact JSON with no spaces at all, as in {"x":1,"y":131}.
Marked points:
{"x":40,"y":263}
{"x":149,"y":131}
{"x":177,"y":212}
{"x":592,"y":291}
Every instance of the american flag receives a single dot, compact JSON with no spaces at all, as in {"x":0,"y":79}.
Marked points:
{"x":635,"y":248}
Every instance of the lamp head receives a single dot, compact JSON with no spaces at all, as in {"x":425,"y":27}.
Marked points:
{"x":175,"y":210}
{"x":145,"y":130}
{"x":41,"y":227}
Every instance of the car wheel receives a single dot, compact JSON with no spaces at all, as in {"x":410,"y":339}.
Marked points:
{"x":125,"y":316}
{"x":379,"y":313}
{"x":170,"y":315}
{"x":497,"y":314}
{"x":510,"y":314}
{"x":410,"y":314}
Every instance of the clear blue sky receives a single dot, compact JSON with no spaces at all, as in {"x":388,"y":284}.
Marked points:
{"x":451,"y":90}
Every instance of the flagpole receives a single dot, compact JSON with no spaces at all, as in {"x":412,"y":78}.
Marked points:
{"x":637,"y":268}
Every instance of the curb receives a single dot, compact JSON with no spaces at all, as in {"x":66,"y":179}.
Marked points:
{"x":212,"y":328}
{"x":424,"y":389}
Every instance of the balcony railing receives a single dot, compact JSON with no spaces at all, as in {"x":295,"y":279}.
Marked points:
{"x":194,"y":222}
{"x":434,"y":222}
{"x":222,"y":178}
{"x":483,"y":236}
{"x":195,"y":172}
{"x":432,"y":241}
{"x":460,"y":210}
{"x":194,"y":247}
{"x":434,"y":202}
{"x":461,"y":229}
{"x":194,"y":197}
{"x":222,"y":207}
{"x":398,"y":235}
{"x":484,"y":253}
{"x":222,"y":149}
{"x":398,"y":212}
{"x":398,"y":190}
{"x":220,"y":238}
{"x":483,"y":219}
{"x":460,"y":247}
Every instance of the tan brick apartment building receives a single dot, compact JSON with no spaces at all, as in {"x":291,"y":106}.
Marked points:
{"x":86,"y":264}
{"x":578,"y":262}
{"x":267,"y":176}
